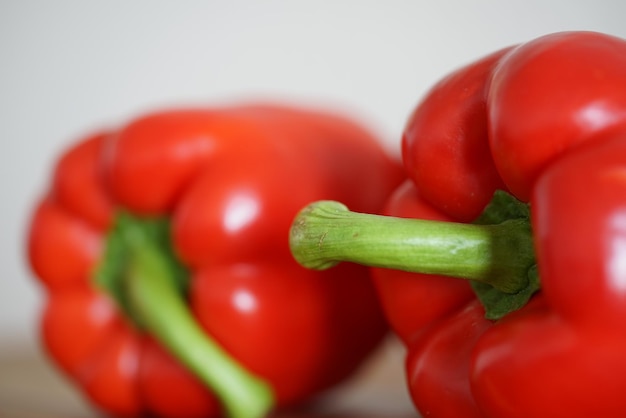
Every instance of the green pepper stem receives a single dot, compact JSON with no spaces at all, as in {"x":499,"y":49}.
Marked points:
{"x":162,"y":310}
{"x":326,"y":233}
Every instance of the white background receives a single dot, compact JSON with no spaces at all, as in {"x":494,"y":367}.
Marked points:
{"x":68,"y":67}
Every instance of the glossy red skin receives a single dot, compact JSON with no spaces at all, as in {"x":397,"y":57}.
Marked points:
{"x":560,"y":354}
{"x":231,"y":180}
{"x":582,"y":334}
{"x":294,"y":365}
{"x":184,"y":395}
{"x":438,"y":364}
{"x":551,"y":94}
{"x":445,"y":147}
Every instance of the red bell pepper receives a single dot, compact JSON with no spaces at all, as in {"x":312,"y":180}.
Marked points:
{"x":163,"y":248}
{"x":540,"y":331}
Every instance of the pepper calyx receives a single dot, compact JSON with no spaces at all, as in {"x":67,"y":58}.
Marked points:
{"x":141,"y":272}
{"x":127,"y":234}
{"x":503,"y":207}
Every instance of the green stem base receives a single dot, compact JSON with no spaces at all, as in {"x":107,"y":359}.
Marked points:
{"x":499,"y":256}
{"x":141,"y":272}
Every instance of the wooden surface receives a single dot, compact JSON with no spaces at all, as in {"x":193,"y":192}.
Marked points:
{"x":30,"y":387}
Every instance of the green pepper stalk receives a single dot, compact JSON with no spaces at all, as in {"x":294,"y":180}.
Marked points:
{"x":496,"y":252}
{"x":143,"y":275}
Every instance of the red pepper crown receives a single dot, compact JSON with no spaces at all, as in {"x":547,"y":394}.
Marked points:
{"x":479,"y":133}
{"x":546,"y":122}
{"x":163,"y":245}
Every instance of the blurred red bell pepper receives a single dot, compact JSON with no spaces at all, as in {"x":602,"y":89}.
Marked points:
{"x":163,"y":248}
{"x":528,"y":144}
